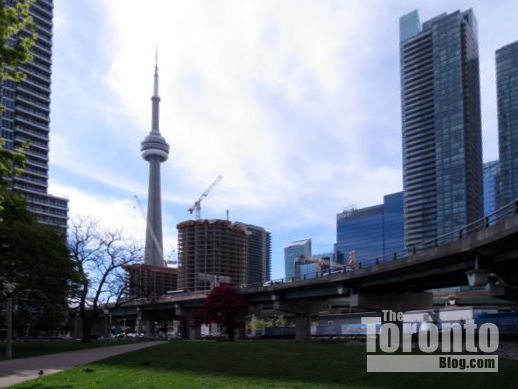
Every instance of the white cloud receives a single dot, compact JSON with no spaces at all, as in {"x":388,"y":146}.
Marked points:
{"x":116,"y":214}
{"x":216,"y":58}
{"x":295,"y":103}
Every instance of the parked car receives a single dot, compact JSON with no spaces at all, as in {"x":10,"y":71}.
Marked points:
{"x":135,"y":335}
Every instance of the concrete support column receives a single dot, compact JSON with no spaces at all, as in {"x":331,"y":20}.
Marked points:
{"x":77,"y":332}
{"x":302,"y":311}
{"x":193,"y":330}
{"x":148,"y":327}
{"x":107,"y":329}
{"x":184,"y":325}
{"x":302,"y":328}
{"x":138,"y":323}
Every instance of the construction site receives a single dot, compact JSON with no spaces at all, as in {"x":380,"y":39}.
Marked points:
{"x":146,"y":280}
{"x":211,"y":253}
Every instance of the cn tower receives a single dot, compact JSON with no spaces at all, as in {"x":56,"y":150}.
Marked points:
{"x":155,"y":150}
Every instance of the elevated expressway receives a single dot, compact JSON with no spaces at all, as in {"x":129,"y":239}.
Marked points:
{"x":481,"y":253}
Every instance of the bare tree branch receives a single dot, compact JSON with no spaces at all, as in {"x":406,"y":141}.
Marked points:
{"x":99,"y":257}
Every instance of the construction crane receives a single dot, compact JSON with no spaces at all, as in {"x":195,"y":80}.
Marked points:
{"x":197,"y":204}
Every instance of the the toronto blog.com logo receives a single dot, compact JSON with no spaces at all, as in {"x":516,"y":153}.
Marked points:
{"x":397,"y":346}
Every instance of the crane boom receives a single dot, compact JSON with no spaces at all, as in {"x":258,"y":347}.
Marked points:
{"x":196,"y":206}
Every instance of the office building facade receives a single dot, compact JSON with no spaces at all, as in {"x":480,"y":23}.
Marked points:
{"x":442,"y":151}
{"x":393,"y":223}
{"x":25,"y":121}
{"x":507,"y":100}
{"x":372,"y":232}
{"x":360,"y":230}
{"x":296,"y":250}
{"x":307,"y":269}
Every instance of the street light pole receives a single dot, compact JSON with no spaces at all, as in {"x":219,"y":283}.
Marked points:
{"x":9,"y":319}
{"x":9,"y":292}
{"x":105,"y":323}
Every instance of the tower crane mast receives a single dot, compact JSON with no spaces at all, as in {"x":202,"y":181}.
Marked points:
{"x":196,"y":206}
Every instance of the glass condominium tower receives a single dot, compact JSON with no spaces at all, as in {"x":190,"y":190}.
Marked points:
{"x":442,"y":151}
{"x":491,"y":186}
{"x":507,"y":100}
{"x":259,"y":256}
{"x":298,"y":249}
{"x":25,"y":120}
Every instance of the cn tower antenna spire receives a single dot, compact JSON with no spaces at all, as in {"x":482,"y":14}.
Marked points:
{"x":155,"y":112}
{"x":155,"y":86}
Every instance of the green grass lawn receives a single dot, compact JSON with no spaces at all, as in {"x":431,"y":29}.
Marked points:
{"x":32,"y":348}
{"x":206,"y":364}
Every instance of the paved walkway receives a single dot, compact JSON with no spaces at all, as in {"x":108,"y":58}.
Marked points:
{"x":23,"y":369}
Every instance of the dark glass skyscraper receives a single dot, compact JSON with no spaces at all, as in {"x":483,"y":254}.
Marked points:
{"x":25,"y":120}
{"x":360,"y":230}
{"x":442,"y":151}
{"x":259,"y":256}
{"x":393,"y":224}
{"x":491,"y":186}
{"x":507,"y":94}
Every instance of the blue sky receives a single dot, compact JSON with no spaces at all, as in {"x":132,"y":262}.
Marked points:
{"x":295,"y":103}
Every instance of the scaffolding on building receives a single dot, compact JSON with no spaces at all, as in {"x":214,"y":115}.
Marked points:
{"x":211,"y":252}
{"x":150,"y":280}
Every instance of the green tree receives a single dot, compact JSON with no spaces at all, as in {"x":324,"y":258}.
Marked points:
{"x":36,"y":259}
{"x":32,"y":256}
{"x":11,"y":163}
{"x":17,"y":36}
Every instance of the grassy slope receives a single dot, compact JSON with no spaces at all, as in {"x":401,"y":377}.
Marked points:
{"x":261,"y":364}
{"x":42,"y":347}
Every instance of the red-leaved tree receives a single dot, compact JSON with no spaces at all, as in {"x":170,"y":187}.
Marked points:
{"x":225,"y":306}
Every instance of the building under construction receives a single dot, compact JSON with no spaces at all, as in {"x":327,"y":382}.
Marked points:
{"x":150,"y":280}
{"x":211,"y":252}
